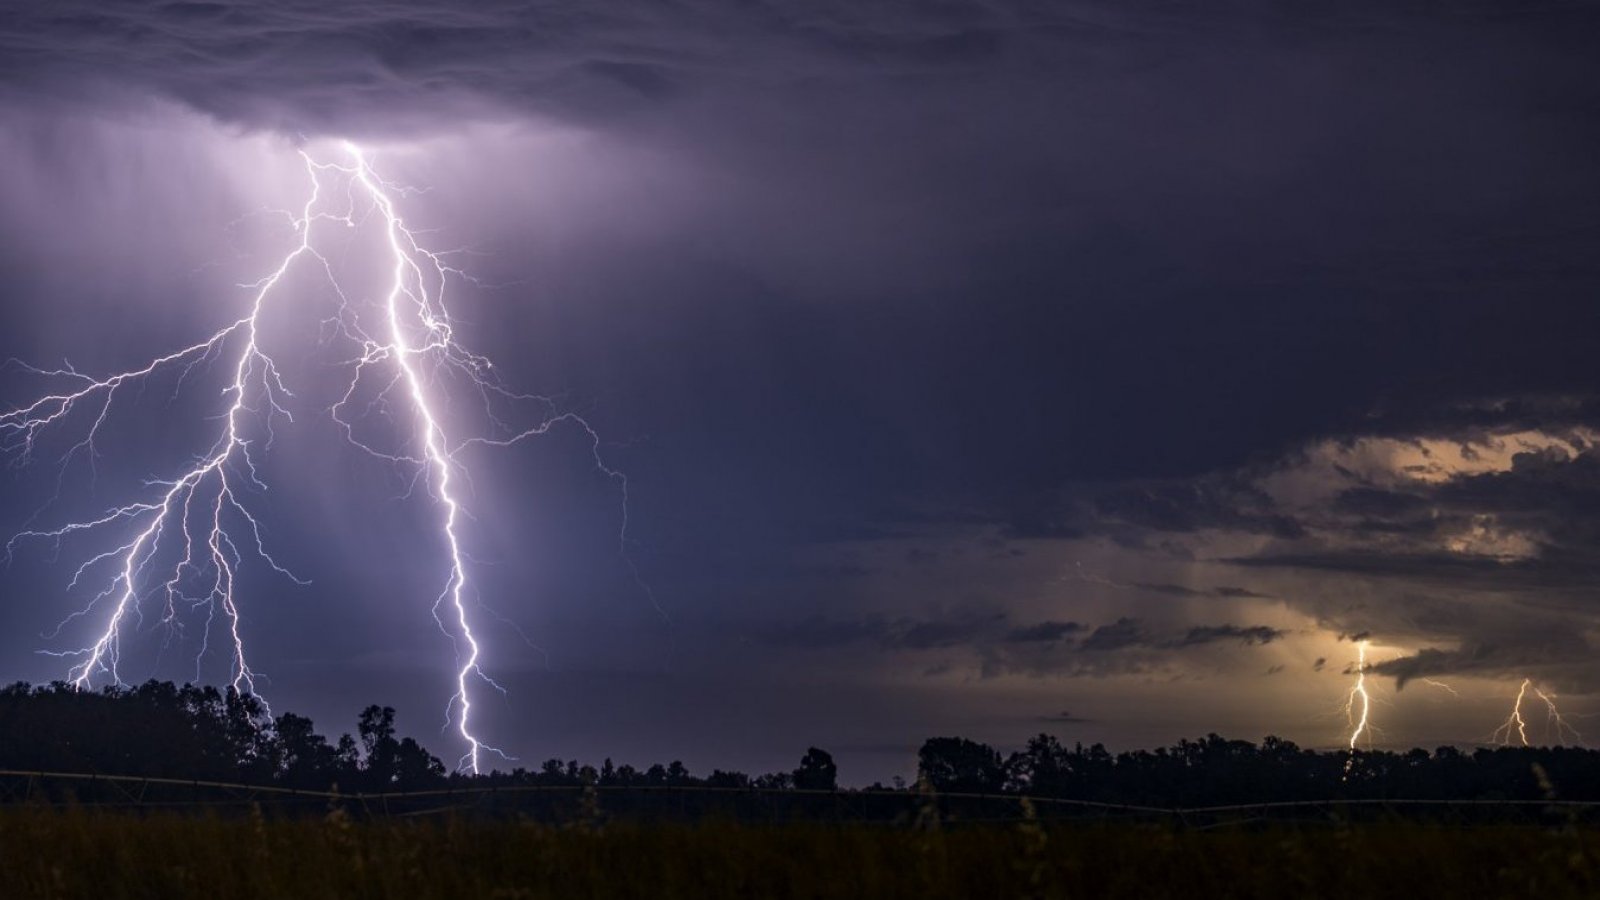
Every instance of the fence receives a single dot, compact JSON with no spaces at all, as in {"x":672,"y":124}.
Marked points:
{"x":598,"y":803}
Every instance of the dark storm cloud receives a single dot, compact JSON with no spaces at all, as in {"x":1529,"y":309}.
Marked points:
{"x":1536,"y":651}
{"x":1175,"y":590}
{"x":1119,"y":635}
{"x":1128,"y":633}
{"x":1239,"y":592}
{"x":1492,"y":410}
{"x":1180,"y":590}
{"x":1244,"y":634}
{"x":302,"y":65}
{"x":932,"y":635}
{"x":1548,"y":490}
{"x":1123,"y":647}
{"x":985,"y":634}
{"x":1429,"y":661}
{"x":1548,"y":494}
{"x":1466,"y":572}
{"x":1211,"y":503}
{"x":1380,"y":503}
{"x":1043,"y":632}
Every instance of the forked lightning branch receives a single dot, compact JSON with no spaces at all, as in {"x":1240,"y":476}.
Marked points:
{"x":177,"y":549}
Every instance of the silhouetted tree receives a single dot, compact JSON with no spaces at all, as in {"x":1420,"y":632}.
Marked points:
{"x":957,"y":765}
{"x":678,"y":775}
{"x":775,"y":781}
{"x":817,"y":772}
{"x":415,"y":767}
{"x":381,"y":750}
{"x":721,"y":779}
{"x":162,"y":730}
{"x":304,"y":758}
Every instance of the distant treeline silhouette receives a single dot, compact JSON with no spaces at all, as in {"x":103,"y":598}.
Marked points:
{"x":162,"y":730}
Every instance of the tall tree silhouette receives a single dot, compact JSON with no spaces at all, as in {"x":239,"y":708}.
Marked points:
{"x":817,"y":772}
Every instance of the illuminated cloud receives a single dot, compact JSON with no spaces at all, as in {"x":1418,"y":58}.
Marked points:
{"x":404,"y":65}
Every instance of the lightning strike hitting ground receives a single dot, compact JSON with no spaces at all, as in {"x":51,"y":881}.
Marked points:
{"x":202,"y":509}
{"x":1514,"y":722}
{"x":1358,"y":709}
{"x":1557,"y":729}
{"x":1358,"y":703}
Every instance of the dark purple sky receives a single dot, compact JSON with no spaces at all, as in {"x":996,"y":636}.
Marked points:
{"x":979,"y":368}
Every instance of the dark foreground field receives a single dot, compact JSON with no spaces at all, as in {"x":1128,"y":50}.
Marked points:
{"x":48,"y":854}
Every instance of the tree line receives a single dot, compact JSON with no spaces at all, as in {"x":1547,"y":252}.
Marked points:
{"x":162,"y":730}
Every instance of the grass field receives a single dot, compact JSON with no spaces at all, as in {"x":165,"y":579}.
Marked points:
{"x":60,"y":854}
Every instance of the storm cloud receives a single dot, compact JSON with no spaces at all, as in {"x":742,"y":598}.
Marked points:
{"x":300,"y":66}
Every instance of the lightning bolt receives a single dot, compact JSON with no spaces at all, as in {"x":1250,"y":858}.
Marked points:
{"x":1555,"y":724}
{"x":1514,"y":722}
{"x":1358,"y":703}
{"x":1357,"y":709}
{"x":1441,"y":686}
{"x":212,"y":484}
{"x":203,"y":510}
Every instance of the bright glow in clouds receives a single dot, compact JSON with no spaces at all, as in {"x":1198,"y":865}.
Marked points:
{"x":1396,"y":462}
{"x":202,"y":511}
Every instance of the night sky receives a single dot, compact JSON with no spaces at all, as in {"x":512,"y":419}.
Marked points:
{"x":978,"y":368}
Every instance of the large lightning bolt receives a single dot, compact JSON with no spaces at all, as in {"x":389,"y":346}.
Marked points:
{"x":211,"y":485}
{"x":202,"y":510}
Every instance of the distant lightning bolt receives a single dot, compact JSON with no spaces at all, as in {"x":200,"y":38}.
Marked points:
{"x":1358,"y":703}
{"x":1358,"y":709}
{"x":1514,"y":722}
{"x":1441,"y":686}
{"x":201,"y":508}
{"x":1556,"y":725}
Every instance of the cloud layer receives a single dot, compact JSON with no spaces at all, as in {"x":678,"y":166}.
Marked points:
{"x":305,"y":66}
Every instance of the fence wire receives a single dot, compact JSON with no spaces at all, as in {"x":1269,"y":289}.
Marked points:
{"x":599,"y":803}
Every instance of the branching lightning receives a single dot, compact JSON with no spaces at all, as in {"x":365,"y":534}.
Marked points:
{"x":212,"y":482}
{"x":202,"y":511}
{"x":1557,"y":727}
{"x":1514,"y":722}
